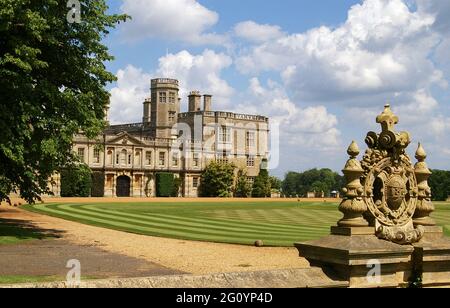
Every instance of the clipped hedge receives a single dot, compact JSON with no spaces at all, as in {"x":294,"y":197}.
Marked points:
{"x":98,"y":184}
{"x":76,"y":181}
{"x":167,"y":185}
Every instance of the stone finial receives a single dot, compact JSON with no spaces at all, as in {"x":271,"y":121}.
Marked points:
{"x":424,"y":205}
{"x":353,"y":206}
{"x":387,"y":119}
{"x":421,"y":155}
{"x":353,"y":150}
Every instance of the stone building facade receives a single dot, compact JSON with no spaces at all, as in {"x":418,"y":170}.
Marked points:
{"x":167,"y":140}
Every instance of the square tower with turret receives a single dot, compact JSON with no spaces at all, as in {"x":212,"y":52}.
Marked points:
{"x":162,"y":109}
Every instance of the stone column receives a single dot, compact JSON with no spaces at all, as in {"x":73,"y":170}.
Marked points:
{"x":424,"y":205}
{"x":353,"y":205}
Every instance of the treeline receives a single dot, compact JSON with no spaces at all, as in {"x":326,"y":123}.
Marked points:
{"x":299,"y":184}
{"x":440,"y":185}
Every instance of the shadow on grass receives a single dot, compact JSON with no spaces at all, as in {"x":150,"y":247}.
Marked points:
{"x":14,"y":231}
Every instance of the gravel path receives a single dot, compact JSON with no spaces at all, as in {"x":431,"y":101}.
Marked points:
{"x":178,"y":255}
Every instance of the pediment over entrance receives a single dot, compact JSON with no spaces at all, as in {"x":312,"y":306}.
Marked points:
{"x":124,"y":139}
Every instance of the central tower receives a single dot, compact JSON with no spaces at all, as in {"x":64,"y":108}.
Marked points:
{"x":161,"y":111}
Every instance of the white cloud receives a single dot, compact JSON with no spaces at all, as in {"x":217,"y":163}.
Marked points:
{"x":133,"y":86}
{"x":255,"y":32}
{"x":383,"y":47}
{"x":199,"y":72}
{"x":311,"y":126}
{"x":181,"y":20}
{"x":195,"y":72}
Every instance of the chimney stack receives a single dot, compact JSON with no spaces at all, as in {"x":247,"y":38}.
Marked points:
{"x":195,"y":101}
{"x":147,"y":111}
{"x":207,"y":102}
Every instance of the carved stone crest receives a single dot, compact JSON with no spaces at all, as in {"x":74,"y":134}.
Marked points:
{"x":387,"y":188}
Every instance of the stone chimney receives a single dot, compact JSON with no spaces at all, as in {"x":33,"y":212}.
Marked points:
{"x":195,"y":100}
{"x":207,"y":102}
{"x":147,"y":111}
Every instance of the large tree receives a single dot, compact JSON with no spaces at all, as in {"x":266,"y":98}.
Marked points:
{"x":217,"y":180}
{"x":52,"y":85}
{"x":262,"y":185}
{"x":243,"y":188}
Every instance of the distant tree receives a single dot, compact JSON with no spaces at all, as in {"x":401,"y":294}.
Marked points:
{"x":52,"y":85}
{"x":76,"y":181}
{"x":299,"y":184}
{"x":243,"y":188}
{"x":262,"y":186}
{"x":217,"y":180}
{"x":440,"y":185}
{"x":275,"y":183}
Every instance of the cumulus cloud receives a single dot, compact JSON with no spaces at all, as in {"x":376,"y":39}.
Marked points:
{"x":311,"y":126}
{"x":195,"y":72}
{"x":181,"y":20}
{"x":127,"y":96}
{"x":199,"y":72}
{"x":383,"y":47}
{"x":255,"y":32}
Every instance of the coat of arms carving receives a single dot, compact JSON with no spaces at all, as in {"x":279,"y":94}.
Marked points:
{"x":385,"y":190}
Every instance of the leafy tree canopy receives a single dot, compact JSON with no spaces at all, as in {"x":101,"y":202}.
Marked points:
{"x":440,"y":185}
{"x":243,"y":187}
{"x":217,"y":180}
{"x":52,"y":85}
{"x":299,"y":184}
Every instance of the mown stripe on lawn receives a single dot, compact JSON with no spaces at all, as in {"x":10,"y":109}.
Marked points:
{"x":167,"y":226}
{"x":187,"y":222}
{"x":285,"y":241}
{"x":216,"y":222}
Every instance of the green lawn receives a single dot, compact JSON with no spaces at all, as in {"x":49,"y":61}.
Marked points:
{"x":28,"y":279}
{"x":276,"y":223}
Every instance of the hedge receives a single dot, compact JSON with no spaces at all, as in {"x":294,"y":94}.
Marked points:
{"x":167,"y":185}
{"x":76,"y":181}
{"x":98,"y":184}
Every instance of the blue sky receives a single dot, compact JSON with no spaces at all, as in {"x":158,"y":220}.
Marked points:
{"x":322,"y":69}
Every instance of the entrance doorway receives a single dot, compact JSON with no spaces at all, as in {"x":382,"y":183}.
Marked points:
{"x":123,"y":186}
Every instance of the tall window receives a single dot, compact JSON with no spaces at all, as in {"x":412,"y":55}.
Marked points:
{"x":110,"y":157}
{"x":196,"y":160}
{"x":224,"y":134}
{"x":137,"y":160}
{"x":250,"y":140}
{"x":175,"y":158}
{"x":123,"y":158}
{"x":250,"y":161}
{"x":130,"y":157}
{"x":162,"y":158}
{"x":81,"y":154}
{"x":96,"y":156}
{"x":148,"y":158}
{"x":195,"y":182}
{"x":162,"y":97}
{"x":172,"y":115}
{"x":172,"y":97}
